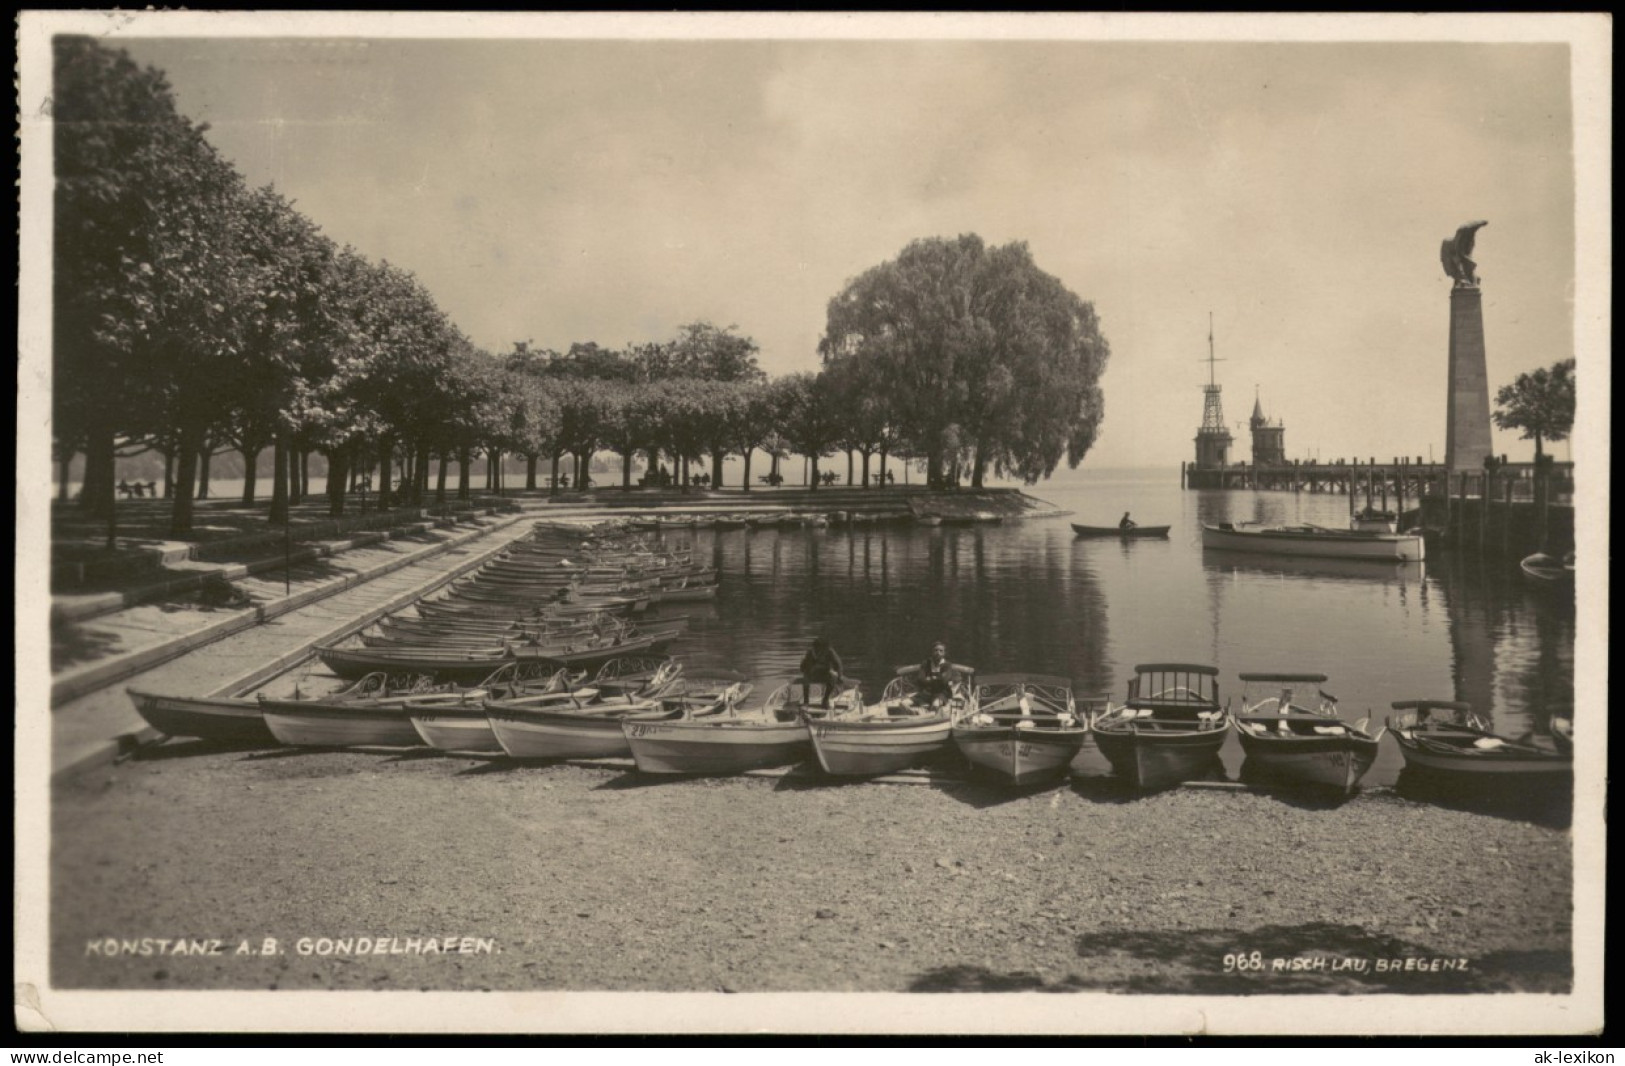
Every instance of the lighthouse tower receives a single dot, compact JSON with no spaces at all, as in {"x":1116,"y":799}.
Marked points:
{"x":1213,"y":439}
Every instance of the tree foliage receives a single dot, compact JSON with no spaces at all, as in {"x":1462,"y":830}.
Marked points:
{"x":1540,"y":403}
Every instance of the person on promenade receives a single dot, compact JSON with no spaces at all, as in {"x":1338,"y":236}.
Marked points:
{"x":936,"y":678}
{"x":1127,"y":522}
{"x":821,"y":666}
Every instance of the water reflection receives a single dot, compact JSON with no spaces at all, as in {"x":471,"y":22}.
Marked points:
{"x":1032,"y":596}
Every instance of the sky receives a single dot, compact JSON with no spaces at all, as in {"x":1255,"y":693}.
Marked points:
{"x":611,"y":190}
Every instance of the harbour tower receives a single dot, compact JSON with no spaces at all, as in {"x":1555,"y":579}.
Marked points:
{"x":1213,"y":439}
{"x":1269,"y":438}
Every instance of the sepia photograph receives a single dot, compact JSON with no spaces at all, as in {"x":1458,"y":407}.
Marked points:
{"x":1011,"y":524}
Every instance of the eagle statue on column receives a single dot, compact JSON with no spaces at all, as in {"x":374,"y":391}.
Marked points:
{"x":1456,"y":255}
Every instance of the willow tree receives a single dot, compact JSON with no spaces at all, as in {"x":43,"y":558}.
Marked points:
{"x":978,"y":355}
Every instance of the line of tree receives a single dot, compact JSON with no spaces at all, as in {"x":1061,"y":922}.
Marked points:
{"x":194,"y":314}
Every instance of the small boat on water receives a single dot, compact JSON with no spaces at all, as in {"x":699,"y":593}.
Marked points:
{"x":1545,"y":569}
{"x":1169,"y":729}
{"x":1315,"y":541}
{"x":1131,"y":533}
{"x":1021,"y":728}
{"x":1445,"y":739}
{"x":1292,"y":733}
{"x":773,"y":734}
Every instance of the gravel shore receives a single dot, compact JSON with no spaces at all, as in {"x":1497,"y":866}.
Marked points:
{"x":589,"y":878}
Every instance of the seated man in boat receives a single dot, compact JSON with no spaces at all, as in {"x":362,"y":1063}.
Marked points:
{"x":1127,"y":522}
{"x":936,"y":678}
{"x":822,"y":666}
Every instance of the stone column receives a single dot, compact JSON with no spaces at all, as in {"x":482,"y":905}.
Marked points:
{"x":1467,"y":433}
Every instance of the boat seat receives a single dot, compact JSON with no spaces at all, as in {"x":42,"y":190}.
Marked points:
{"x":1330,"y":730}
{"x":1489,"y":743}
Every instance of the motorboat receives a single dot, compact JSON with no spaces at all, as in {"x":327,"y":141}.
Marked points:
{"x":1292,"y":733}
{"x":1314,"y":541}
{"x":1168,"y":730}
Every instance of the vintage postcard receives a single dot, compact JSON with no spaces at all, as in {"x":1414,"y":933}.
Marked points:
{"x":1012,"y":524}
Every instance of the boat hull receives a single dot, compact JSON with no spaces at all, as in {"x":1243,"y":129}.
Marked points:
{"x":541,"y":734}
{"x":1155,"y":760}
{"x":1481,"y":768}
{"x":316,"y":725}
{"x":1333,"y":762}
{"x":719,"y":748}
{"x":235,"y":721}
{"x":1150,"y":532}
{"x":1020,"y":756}
{"x":867,"y":749}
{"x":456,"y":729}
{"x":1331,"y":544}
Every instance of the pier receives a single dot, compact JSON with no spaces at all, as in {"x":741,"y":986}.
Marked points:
{"x":1496,"y":509}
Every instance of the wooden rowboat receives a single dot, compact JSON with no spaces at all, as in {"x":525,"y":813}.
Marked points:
{"x":1021,"y":728}
{"x":1444,"y":739}
{"x":774,"y":734}
{"x":1131,"y":532}
{"x":227,"y":719}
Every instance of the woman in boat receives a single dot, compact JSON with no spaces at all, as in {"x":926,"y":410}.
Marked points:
{"x":1127,"y":522}
{"x":936,"y":677}
{"x":821,"y":666}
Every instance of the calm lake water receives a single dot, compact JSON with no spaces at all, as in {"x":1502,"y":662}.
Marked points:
{"x":1029,"y":596}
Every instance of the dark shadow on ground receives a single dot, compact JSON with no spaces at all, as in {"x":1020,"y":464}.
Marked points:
{"x":71,"y":645}
{"x":980,"y":793}
{"x":1550,"y":806}
{"x":1330,"y":959}
{"x":194,"y":748}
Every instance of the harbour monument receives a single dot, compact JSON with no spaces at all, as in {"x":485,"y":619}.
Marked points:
{"x":1467,"y":430}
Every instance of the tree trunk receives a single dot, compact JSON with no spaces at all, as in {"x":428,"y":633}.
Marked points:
{"x":866,"y":453}
{"x":530,"y":471}
{"x":684,"y":477}
{"x":386,"y":464}
{"x":96,"y":495}
{"x":180,"y":516}
{"x":440,"y":481}
{"x":490,"y":470}
{"x":583,"y":471}
{"x":336,"y":459}
{"x":296,"y":491}
{"x":204,"y":455}
{"x":933,"y":468}
{"x":977,"y":468}
{"x":849,"y":466}
{"x":169,"y":475}
{"x":626,"y":470}
{"x":746,"y":482}
{"x":773,"y":467}
{"x":882,"y":474}
{"x":279,"y":483}
{"x":812,"y":472}
{"x":251,"y":470}
{"x":716,"y":468}
{"x":63,"y":466}
{"x":553,"y":489}
{"x":465,"y":474}
{"x":420,"y":467}
{"x":304,"y":472}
